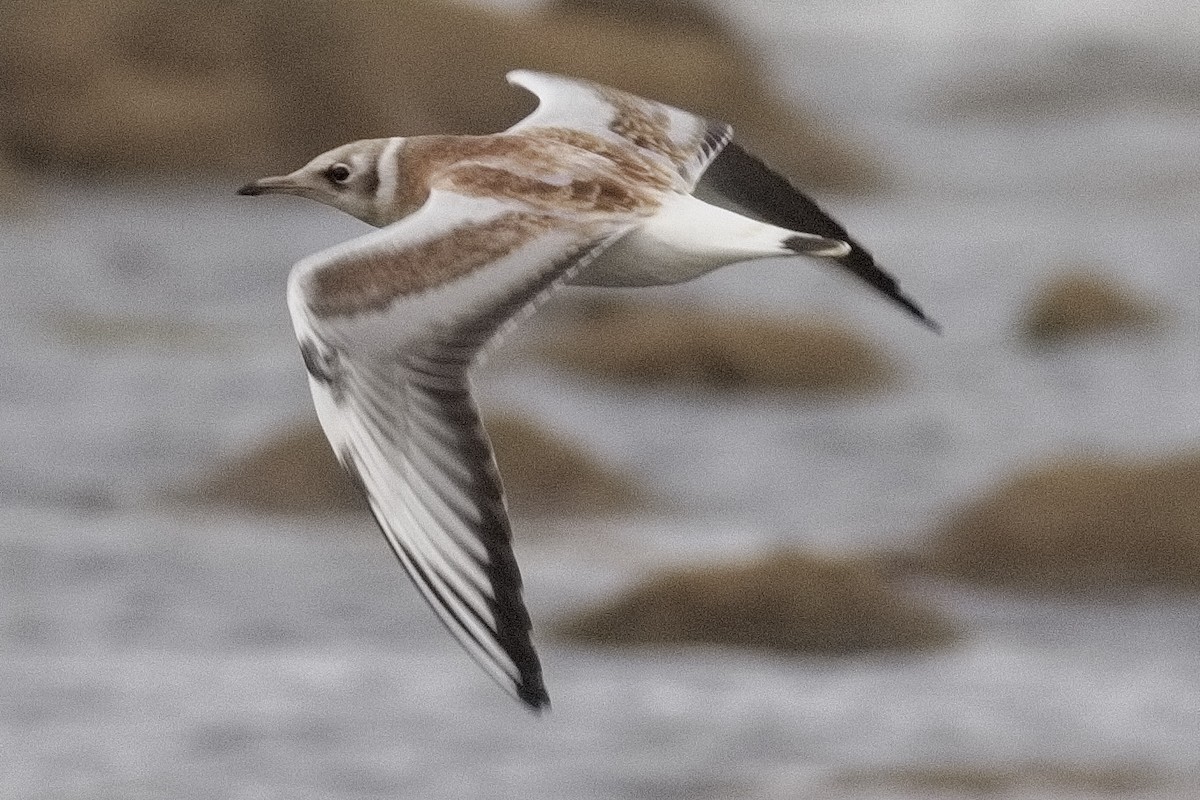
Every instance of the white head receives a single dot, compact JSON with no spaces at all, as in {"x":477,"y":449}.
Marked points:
{"x":351,"y":178}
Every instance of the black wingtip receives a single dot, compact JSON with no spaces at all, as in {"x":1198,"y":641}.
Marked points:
{"x":916,"y":311}
{"x":744,"y":179}
{"x":535,"y":698}
{"x":537,"y":706}
{"x":862,"y":266}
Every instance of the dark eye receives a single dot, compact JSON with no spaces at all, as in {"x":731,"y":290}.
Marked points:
{"x":338,"y":173}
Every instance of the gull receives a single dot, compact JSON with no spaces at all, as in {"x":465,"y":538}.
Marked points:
{"x":595,"y":187}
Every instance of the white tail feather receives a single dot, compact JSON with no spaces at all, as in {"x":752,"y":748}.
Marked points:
{"x":689,"y":238}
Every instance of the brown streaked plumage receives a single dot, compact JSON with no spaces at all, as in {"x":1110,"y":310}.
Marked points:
{"x":595,"y":186}
{"x":523,"y":166}
{"x":633,"y":166}
{"x":372,"y":282}
{"x":644,"y":125}
{"x":602,"y":194}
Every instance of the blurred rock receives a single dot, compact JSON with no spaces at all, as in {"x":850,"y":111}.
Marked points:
{"x":402,"y":70}
{"x":20,"y":191}
{"x":296,"y":473}
{"x":1081,"y":525}
{"x":787,"y":602}
{"x":544,"y":474}
{"x":253,"y":86}
{"x":642,"y":343}
{"x":99,"y":331}
{"x":677,"y":15}
{"x":1089,"y":74}
{"x":1026,"y":779}
{"x":137,"y":86}
{"x":1081,"y":304}
{"x":132,"y":86}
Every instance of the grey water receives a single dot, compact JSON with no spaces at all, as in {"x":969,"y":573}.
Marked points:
{"x":151,"y":651}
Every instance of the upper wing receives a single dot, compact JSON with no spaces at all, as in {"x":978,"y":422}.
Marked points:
{"x":387,"y":342}
{"x":744,"y":180}
{"x":688,"y":141}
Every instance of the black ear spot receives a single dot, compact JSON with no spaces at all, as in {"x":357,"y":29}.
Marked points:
{"x":323,"y":367}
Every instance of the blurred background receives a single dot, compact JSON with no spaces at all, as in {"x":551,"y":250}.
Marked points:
{"x":778,"y":541}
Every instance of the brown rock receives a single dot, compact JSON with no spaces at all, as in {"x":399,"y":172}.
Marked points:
{"x":1082,"y":525}
{"x":296,"y":473}
{"x":1036,"y":778}
{"x":678,"y":15}
{"x":20,"y":192}
{"x":131,"y":87}
{"x":787,"y":602}
{"x":642,"y":343}
{"x":245,"y":86}
{"x":544,"y":474}
{"x":1069,"y":77}
{"x":1080,"y":304}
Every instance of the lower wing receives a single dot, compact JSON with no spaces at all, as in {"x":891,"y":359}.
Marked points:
{"x":388,"y":343}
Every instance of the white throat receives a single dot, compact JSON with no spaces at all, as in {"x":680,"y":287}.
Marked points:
{"x":388,"y":170}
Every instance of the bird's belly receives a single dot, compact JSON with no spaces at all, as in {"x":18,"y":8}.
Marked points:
{"x":639,"y":259}
{"x":686,"y":239}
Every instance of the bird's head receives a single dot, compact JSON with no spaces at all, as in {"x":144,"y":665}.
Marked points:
{"x":347,"y":178}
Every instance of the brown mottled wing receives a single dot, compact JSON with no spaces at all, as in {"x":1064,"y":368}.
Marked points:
{"x":389,"y":325}
{"x":687,"y":140}
{"x":753,"y":187}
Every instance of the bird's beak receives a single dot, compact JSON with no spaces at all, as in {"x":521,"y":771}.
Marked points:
{"x":279,"y":184}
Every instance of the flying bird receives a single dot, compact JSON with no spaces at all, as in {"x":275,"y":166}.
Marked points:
{"x":597,"y":187}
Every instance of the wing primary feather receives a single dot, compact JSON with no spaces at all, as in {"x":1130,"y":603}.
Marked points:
{"x":510,"y":634}
{"x":377,"y":470}
{"x":452,"y":511}
{"x":747,"y":181}
{"x":436,"y":389}
{"x":712,"y":141}
{"x":527,"y":684}
{"x":522,"y":679}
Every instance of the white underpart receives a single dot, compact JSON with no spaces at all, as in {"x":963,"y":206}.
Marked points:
{"x":396,"y":407}
{"x":388,"y":169}
{"x":689,"y":238}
